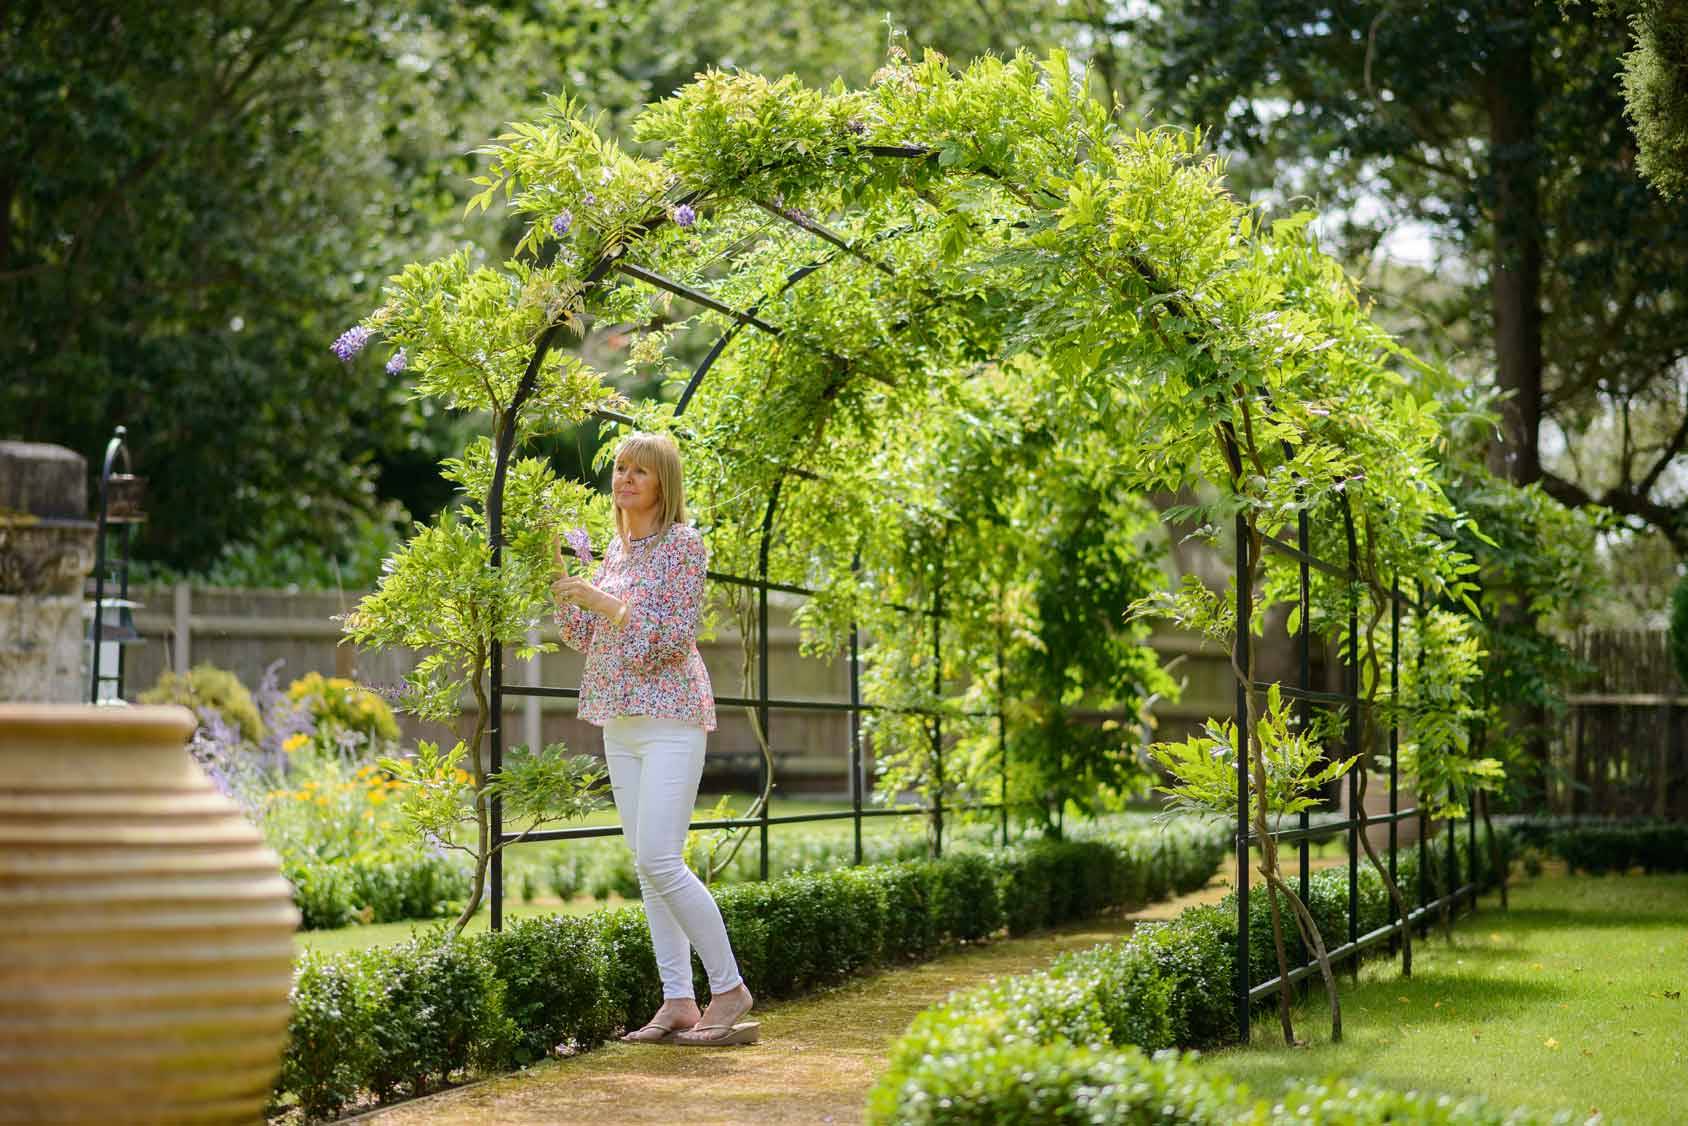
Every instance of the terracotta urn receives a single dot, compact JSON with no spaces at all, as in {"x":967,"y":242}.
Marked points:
{"x":145,"y":928}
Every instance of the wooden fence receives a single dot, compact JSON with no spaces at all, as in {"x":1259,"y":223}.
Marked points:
{"x":1622,"y":753}
{"x":245,"y":631}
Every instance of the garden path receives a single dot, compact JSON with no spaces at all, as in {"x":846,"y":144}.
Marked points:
{"x":819,"y":1056}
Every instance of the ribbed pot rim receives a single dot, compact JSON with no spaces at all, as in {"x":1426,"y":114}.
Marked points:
{"x":107,"y":725}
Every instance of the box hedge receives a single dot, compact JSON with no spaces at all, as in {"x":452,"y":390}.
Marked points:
{"x":404,"y":1019}
{"x":1044,"y":1047}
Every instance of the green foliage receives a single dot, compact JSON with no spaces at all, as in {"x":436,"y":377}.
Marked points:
{"x":207,"y":686}
{"x":330,"y":1034}
{"x":441,"y":1009}
{"x":1035,"y":1083}
{"x":1432,"y":115}
{"x":1656,"y":92}
{"x":1679,"y":630}
{"x":404,"y":1018}
{"x":336,"y":704}
{"x":1034,"y":1048}
{"x":1204,"y":768}
{"x":1608,"y":846}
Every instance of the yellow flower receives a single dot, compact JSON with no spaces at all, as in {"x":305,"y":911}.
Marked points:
{"x":377,"y":797}
{"x":295,"y":742}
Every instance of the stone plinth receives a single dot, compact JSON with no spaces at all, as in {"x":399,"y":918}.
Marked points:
{"x":46,"y":551}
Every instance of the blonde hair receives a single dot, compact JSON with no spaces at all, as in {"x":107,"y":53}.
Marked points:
{"x":656,"y":453}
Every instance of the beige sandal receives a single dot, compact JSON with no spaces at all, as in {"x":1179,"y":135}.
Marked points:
{"x":665,"y":1034}
{"x":719,"y":1035}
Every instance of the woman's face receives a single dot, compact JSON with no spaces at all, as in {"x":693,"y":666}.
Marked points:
{"x":635,"y":487}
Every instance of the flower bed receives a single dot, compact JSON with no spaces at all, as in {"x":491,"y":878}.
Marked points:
{"x":408,"y":1018}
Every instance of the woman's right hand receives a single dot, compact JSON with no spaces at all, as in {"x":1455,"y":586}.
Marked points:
{"x":575,"y":590}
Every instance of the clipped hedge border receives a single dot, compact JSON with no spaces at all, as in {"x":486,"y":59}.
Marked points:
{"x":1047,"y":1047}
{"x":1024,"y":1083}
{"x":407,"y":1018}
{"x":1602,"y":846}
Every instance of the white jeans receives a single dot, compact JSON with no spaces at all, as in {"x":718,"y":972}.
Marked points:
{"x":655,"y":765}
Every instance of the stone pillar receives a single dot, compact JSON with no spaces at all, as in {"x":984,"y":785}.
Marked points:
{"x":46,"y":552}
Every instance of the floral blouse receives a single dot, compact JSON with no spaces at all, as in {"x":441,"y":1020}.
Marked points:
{"x":650,"y":666}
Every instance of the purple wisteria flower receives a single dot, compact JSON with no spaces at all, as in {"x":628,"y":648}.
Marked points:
{"x":589,"y":199}
{"x":350,"y":342}
{"x":684,"y":215}
{"x":581,"y":544}
{"x":856,"y":125}
{"x":561,"y":224}
{"x":398,"y":363}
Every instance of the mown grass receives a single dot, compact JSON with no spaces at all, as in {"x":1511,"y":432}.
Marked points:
{"x":1570,"y":999}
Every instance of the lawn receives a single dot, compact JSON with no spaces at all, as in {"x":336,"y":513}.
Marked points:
{"x":1570,"y":999}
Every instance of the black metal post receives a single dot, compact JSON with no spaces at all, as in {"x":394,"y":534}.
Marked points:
{"x":1394,"y":727}
{"x":856,"y":735}
{"x":937,"y":719}
{"x":1356,"y":815}
{"x":1303,"y":540}
{"x":1002,"y":721}
{"x":762,"y":668}
{"x":1471,"y":849}
{"x":1245,"y":614}
{"x":1453,"y":860}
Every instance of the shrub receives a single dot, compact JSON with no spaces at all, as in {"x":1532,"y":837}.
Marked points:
{"x":557,"y":987}
{"x":1028,"y":1083}
{"x":1609,"y":846}
{"x":492,"y":999}
{"x":1029,"y":1049}
{"x":207,"y":686}
{"x":339,"y":708}
{"x":441,"y":1010}
{"x":329,"y":1035}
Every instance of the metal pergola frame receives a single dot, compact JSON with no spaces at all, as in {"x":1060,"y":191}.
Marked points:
{"x":763,"y":701}
{"x":1354,"y":823}
{"x":1248,"y":994}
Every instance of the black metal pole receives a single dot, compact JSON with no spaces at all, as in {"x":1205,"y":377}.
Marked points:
{"x":1303,"y":541}
{"x":1423,"y":818}
{"x":1394,"y":727}
{"x":1471,"y":848}
{"x":1356,"y":815}
{"x":1002,"y":721}
{"x":937,"y":719}
{"x":1245,"y":612}
{"x":1453,"y":859}
{"x":762,"y":669}
{"x":856,"y":735}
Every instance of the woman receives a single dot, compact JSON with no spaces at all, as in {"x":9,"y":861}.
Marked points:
{"x":646,"y":686}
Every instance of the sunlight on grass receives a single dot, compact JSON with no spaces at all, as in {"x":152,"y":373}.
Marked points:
{"x":1572,"y":998}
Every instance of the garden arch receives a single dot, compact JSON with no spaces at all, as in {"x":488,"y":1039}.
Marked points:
{"x":1169,"y":323}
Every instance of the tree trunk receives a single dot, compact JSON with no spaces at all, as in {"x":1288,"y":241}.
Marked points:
{"x":1509,"y":93}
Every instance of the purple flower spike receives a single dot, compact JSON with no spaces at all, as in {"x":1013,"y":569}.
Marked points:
{"x":350,"y":342}
{"x":561,"y":224}
{"x":684,"y":215}
{"x":589,"y":198}
{"x":398,"y":363}
{"x":581,"y":544}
